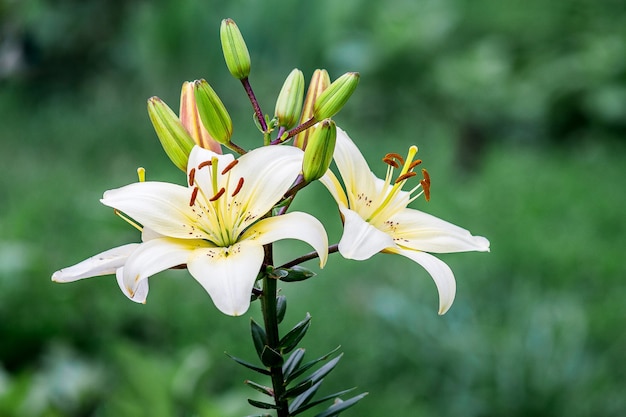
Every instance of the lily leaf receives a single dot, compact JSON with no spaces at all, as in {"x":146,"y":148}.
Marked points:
{"x":261,"y":388}
{"x":281,"y":308}
{"x":292,"y":363}
{"x":258,"y":337}
{"x":271,"y":358}
{"x":291,"y":339}
{"x":296,"y":273}
{"x":340,"y":406}
{"x":301,"y":403}
{"x":248,"y":365}
{"x":261,"y":404}
{"x":296,"y":373}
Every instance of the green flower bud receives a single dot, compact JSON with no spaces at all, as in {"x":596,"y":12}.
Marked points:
{"x":235,"y":50}
{"x":319,"y":151}
{"x":289,"y":102}
{"x":335,"y":96}
{"x":212,"y":112}
{"x":173,"y":136}
{"x":190,"y":119}
{"x":319,"y":82}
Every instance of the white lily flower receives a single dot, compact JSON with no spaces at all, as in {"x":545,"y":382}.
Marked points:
{"x":215,"y":226}
{"x":376,"y":217}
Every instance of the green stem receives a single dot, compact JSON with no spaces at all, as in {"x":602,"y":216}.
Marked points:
{"x":268,"y":308}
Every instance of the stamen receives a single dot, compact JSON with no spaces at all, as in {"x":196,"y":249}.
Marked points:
{"x":238,"y":188}
{"x":390,"y":161}
{"x":194,"y":194}
{"x":192,"y":176}
{"x":218,"y":195}
{"x":141,"y":173}
{"x":204,"y":164}
{"x":396,"y":156}
{"x":415,"y":163}
{"x":426,"y":184}
{"x":128,"y":220}
{"x":405,"y":176}
{"x":230,"y":166}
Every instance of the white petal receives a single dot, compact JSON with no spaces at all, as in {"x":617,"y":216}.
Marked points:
{"x":154,"y":256}
{"x":421,"y":231}
{"x":141,"y":292}
{"x":333,"y":185}
{"x":204,"y":176}
{"x":162,"y":207}
{"x":104,"y":263}
{"x":268,"y":172}
{"x":295,"y":225}
{"x":228,"y":274}
{"x":361,"y":240}
{"x":439,"y":271}
{"x":356,"y":174}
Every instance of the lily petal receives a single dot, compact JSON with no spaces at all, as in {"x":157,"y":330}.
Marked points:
{"x":361,"y":240}
{"x":160,"y":206}
{"x":104,"y":263}
{"x":334,"y":186}
{"x":141,"y":292}
{"x":154,"y":256}
{"x":228,"y":274}
{"x":294,"y":225}
{"x":438,"y":270}
{"x":421,"y":231}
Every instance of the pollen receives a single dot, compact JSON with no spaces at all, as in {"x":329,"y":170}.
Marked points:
{"x":230,"y":166}
{"x":192,"y":176}
{"x":194,"y":195}
{"x":218,"y":194}
{"x":238,"y":188}
{"x":205,"y":164}
{"x":426,"y":184}
{"x":405,"y":176}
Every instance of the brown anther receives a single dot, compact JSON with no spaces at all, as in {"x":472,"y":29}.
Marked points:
{"x":415,"y":163}
{"x":205,"y":164}
{"x":426,"y":175}
{"x":405,"y":176}
{"x":426,"y":184}
{"x":395,"y":156}
{"x":391,"y":161}
{"x":192,"y":176}
{"x":238,"y":188}
{"x":218,"y":195}
{"x":194,"y":194}
{"x":230,"y":166}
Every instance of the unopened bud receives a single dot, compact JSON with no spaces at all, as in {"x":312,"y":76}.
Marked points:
{"x":173,"y":136}
{"x":335,"y":96}
{"x":190,"y":119}
{"x":319,"y":82}
{"x":212,"y":112}
{"x":319,"y":151}
{"x":289,"y":102}
{"x":235,"y":51}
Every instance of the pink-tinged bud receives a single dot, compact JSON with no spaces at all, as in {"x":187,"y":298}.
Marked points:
{"x":335,"y":96}
{"x":190,"y":118}
{"x":173,"y":136}
{"x":319,"y":151}
{"x":319,"y":82}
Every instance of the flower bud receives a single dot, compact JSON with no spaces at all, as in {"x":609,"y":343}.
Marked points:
{"x":335,"y":96}
{"x":289,"y":102}
{"x":319,"y":82}
{"x":319,"y":151}
{"x":190,"y":119}
{"x":212,"y":112}
{"x":235,"y":51}
{"x":173,"y":136}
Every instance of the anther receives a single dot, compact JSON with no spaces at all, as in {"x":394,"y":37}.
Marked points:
{"x":391,"y":161}
{"x":218,"y":195}
{"x":405,"y":176}
{"x":204,"y":164}
{"x":192,"y":176}
{"x":394,"y":155}
{"x":426,"y":184}
{"x":194,"y":194}
{"x":230,"y":166}
{"x":238,"y":188}
{"x":415,"y":163}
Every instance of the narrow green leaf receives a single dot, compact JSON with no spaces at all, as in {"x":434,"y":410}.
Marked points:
{"x":248,"y":365}
{"x":281,"y":308}
{"x":340,"y":406}
{"x":258,"y":337}
{"x":260,"y":415}
{"x":297,"y":390}
{"x":298,"y":405}
{"x":271,"y":358}
{"x":291,"y":339}
{"x":261,"y":388}
{"x":304,"y":397}
{"x":324,"y":370}
{"x":310,"y":364}
{"x":292,"y":363}
{"x":260,"y":404}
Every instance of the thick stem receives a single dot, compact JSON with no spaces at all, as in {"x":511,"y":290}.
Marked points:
{"x":255,"y":103}
{"x":268,"y":307}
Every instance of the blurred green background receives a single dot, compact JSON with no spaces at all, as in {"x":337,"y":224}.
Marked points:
{"x":519,"y":110}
